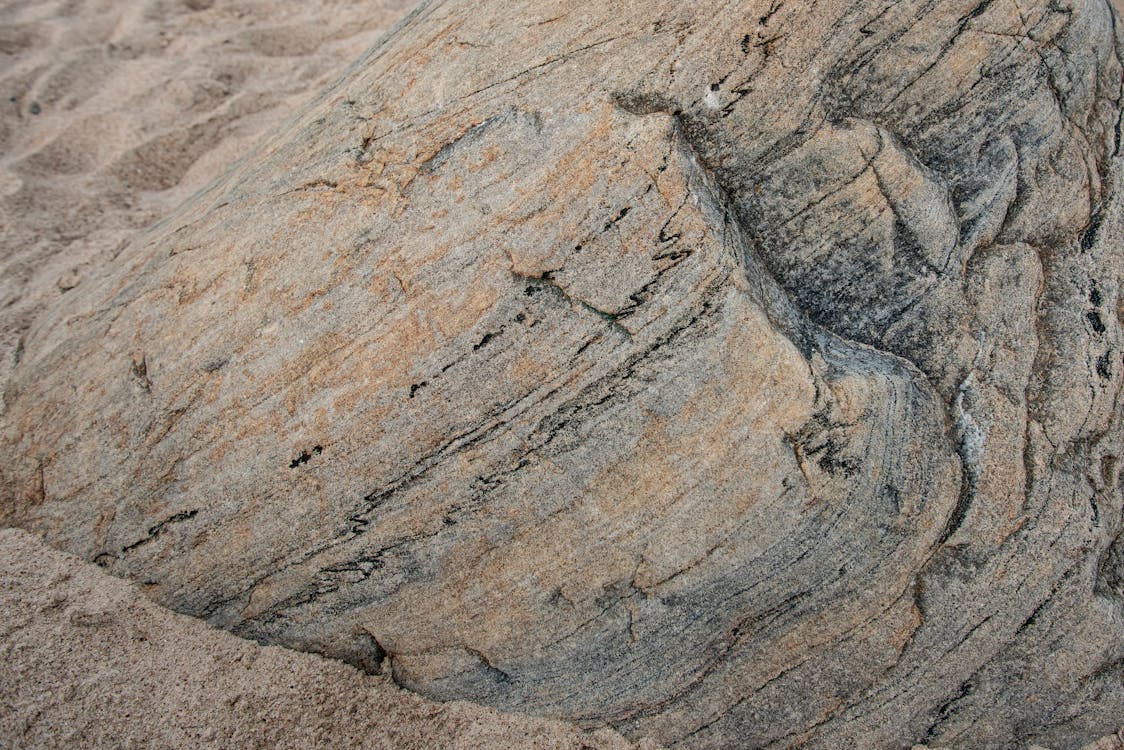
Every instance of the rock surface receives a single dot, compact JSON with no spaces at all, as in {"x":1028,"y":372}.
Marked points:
{"x":113,"y":113}
{"x":735,"y":376}
{"x":89,"y":662}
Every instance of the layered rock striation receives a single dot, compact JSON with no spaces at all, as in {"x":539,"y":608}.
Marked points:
{"x":735,"y":375}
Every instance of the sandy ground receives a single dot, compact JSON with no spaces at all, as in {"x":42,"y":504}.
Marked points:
{"x":87,"y":662}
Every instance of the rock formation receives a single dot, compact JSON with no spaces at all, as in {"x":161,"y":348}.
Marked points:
{"x":89,"y":662}
{"x":736,"y":375}
{"x":112,"y":114}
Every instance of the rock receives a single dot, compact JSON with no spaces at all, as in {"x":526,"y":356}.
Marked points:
{"x":152,"y":678}
{"x":142,"y":105}
{"x":736,"y":378}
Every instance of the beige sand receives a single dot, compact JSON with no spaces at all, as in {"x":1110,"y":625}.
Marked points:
{"x":86,"y":661}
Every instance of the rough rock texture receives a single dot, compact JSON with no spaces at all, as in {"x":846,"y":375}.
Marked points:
{"x":738,"y":375}
{"x":89,"y":662}
{"x":112,"y":113}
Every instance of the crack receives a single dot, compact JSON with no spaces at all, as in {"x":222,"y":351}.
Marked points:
{"x":545,"y":281}
{"x":437,"y":159}
{"x":546,"y":63}
{"x":868,"y":165}
{"x":948,"y":709}
{"x":495,"y":673}
{"x":962,"y":26}
{"x":158,"y":529}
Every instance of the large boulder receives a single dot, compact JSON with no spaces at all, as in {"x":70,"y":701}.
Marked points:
{"x":90,"y":663}
{"x":738,"y":376}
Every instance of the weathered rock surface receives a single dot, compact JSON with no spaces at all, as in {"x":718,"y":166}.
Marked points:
{"x":112,"y":114}
{"x":739,"y":376}
{"x":89,"y":662}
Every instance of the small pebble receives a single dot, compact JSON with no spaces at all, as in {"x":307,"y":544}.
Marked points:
{"x":68,"y":280}
{"x":34,"y":108}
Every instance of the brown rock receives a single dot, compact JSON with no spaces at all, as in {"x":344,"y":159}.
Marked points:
{"x":739,"y":377}
{"x":90,"y":662}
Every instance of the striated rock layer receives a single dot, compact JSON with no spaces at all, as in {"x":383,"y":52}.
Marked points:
{"x":89,"y":662}
{"x":737,"y":375}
